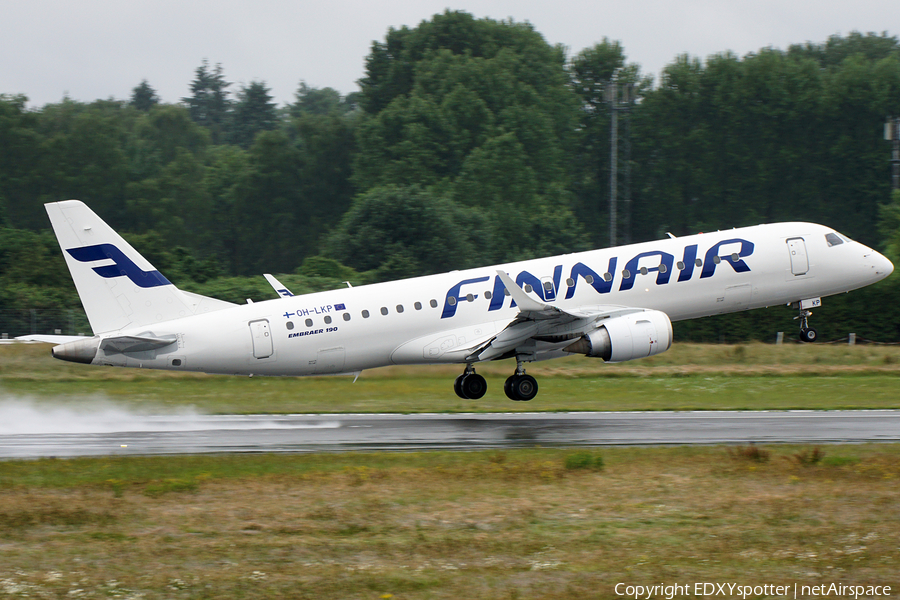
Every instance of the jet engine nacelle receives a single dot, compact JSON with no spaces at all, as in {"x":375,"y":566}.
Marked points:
{"x":627,"y":337}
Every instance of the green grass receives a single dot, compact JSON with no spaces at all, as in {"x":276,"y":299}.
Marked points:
{"x":532,"y":523}
{"x":688,"y":377}
{"x":536,"y":523}
{"x":691,"y":392}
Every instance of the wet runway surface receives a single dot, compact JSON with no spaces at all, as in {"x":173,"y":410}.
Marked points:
{"x":117,"y":433}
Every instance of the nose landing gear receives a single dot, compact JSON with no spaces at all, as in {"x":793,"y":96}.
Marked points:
{"x":807,"y":333}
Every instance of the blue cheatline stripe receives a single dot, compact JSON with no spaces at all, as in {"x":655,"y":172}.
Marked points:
{"x":122,"y":265}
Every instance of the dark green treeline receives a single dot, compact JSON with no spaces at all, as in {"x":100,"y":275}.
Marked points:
{"x":470,"y":142}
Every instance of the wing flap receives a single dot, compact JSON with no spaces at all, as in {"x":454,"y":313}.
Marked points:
{"x":514,"y":334}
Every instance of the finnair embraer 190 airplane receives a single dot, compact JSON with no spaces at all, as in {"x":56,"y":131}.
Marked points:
{"x":616,"y":304}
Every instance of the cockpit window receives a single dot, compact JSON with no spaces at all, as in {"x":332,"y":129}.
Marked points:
{"x":833,"y":239}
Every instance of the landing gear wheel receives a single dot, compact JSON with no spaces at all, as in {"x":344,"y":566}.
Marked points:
{"x":521,"y":387}
{"x":470,"y":385}
{"x":458,"y":388}
{"x":507,"y":388}
{"x":808,"y":335}
{"x":473,"y":386}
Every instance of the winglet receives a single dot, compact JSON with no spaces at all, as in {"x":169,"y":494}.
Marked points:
{"x":523,"y":300}
{"x":279,"y":287}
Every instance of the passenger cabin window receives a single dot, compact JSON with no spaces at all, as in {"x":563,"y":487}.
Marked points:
{"x":346,"y":316}
{"x":365,"y":314}
{"x":309,"y":322}
{"x":418,"y":305}
{"x":328,"y":320}
{"x":290,"y":325}
{"x":399,"y":308}
{"x":433,"y":303}
{"x":384,"y":310}
{"x":833,"y":239}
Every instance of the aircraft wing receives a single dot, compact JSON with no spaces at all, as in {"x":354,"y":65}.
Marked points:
{"x":540,"y":322}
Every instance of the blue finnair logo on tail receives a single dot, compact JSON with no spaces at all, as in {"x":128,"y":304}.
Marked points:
{"x":122,"y":265}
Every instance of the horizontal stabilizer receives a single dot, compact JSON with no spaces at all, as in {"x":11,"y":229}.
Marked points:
{"x":136,"y":343}
{"x":85,"y":350}
{"x":51,"y":339}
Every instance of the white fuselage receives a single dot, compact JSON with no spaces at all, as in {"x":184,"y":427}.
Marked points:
{"x":439,"y":318}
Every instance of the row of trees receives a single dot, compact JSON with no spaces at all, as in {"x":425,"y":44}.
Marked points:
{"x":470,"y":141}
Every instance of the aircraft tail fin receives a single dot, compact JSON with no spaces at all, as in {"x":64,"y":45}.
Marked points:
{"x":118,"y":287}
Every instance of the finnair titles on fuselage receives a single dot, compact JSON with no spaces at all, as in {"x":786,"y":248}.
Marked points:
{"x":616,"y":304}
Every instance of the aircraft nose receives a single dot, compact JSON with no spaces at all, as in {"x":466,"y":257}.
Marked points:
{"x":886,"y":267}
{"x":882,"y":266}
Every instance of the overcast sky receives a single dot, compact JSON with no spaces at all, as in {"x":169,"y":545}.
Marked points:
{"x":92,"y":49}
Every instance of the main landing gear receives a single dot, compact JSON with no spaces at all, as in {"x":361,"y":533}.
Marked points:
{"x":519,"y":386}
{"x":472,"y":386}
